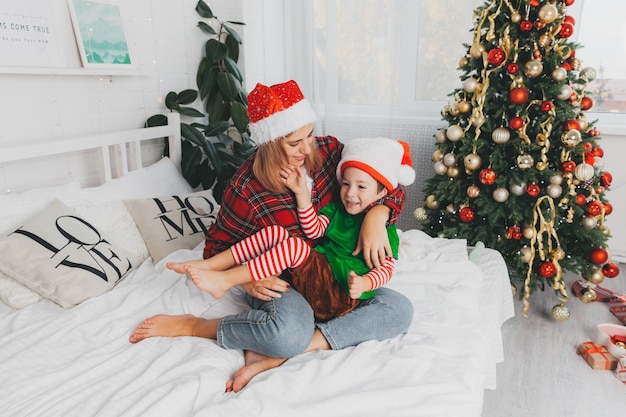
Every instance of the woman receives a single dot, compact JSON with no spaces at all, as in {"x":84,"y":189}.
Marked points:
{"x":280,"y":323}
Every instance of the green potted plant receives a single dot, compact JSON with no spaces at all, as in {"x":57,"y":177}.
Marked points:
{"x":212,"y":152}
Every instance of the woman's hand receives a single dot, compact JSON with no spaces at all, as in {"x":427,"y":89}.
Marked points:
{"x":267,"y":288}
{"x":373,"y":240}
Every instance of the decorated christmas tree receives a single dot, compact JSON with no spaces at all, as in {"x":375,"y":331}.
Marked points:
{"x":519,"y":167}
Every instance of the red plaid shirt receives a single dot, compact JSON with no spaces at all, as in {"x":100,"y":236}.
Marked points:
{"x":247,"y":207}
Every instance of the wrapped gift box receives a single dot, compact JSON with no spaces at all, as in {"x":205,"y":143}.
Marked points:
{"x":620,"y":371}
{"x":597,"y":356}
{"x":617,"y":305}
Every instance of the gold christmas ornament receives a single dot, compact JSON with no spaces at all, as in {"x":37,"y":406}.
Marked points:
{"x":500,"y":135}
{"x":431,"y":202}
{"x":516,"y":17}
{"x":584,"y":171}
{"x":544,"y":41}
{"x":437,"y":155}
{"x":454,"y":132}
{"x":500,"y":194}
{"x":565,"y":92}
{"x":560,"y":312}
{"x":558,"y":253}
{"x":453,"y":172}
{"x":463,"y":61}
{"x":571,"y":138}
{"x":473,"y":191}
{"x":525,"y":161}
{"x":420,"y":214}
{"x":529,"y":233}
{"x":476,"y":50}
{"x":588,"y":73}
{"x":465,"y":106}
{"x":559,"y":74}
{"x":525,"y":254}
{"x":554,"y":190}
{"x":575,"y":63}
{"x":548,"y":13}
{"x":533,"y":68}
{"x":440,"y":136}
{"x":589,"y":222}
{"x":556,"y":179}
{"x":450,"y":209}
{"x":517,"y":189}
{"x":472,"y":161}
{"x":470,"y":84}
{"x":596,"y":277}
{"x":449,"y":159}
{"x":583,"y":124}
{"x":440,"y":168}
{"x":587,"y":295}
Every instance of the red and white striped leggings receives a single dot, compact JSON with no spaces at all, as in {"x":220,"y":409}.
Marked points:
{"x":270,"y":251}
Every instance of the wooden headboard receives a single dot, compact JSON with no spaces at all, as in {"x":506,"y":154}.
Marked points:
{"x":127,"y":142}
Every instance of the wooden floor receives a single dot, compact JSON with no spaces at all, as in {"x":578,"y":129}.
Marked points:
{"x":542,"y":375}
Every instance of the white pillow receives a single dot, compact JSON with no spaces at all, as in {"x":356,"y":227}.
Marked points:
{"x":62,"y":257}
{"x":159,"y":179}
{"x":171,"y":223}
{"x":15,"y":294}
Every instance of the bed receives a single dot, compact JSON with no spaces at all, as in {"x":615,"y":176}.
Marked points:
{"x":64,"y":347}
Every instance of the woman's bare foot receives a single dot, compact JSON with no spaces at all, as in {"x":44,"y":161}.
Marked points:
{"x":178,"y":267}
{"x":255,"y":363}
{"x":208,"y":281}
{"x":166,"y":326}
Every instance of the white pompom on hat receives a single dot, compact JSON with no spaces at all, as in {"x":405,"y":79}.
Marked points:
{"x":277,"y":111}
{"x":387,"y":160}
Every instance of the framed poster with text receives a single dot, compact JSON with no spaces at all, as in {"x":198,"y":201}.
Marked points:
{"x":27,"y":35}
{"x":100,"y":34}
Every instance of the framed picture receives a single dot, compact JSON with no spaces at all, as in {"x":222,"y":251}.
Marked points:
{"x":100,"y":34}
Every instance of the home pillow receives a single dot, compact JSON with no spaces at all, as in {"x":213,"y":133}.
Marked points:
{"x":63,"y":257}
{"x":171,"y":223}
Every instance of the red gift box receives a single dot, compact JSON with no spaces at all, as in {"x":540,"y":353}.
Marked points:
{"x":598,"y":357}
{"x":617,"y":305}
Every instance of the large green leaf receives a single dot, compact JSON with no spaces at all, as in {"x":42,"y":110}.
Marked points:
{"x":192,"y":134}
{"x":232,"y":32}
{"x":206,"y":28}
{"x":156,"y":120}
{"x":229,"y":85}
{"x":239,"y":116}
{"x":208,"y":177}
{"x":231,"y":67}
{"x":204,"y":10}
{"x":187,"y":96}
{"x":209,"y":81}
{"x":213,"y":129}
{"x":171,"y":100}
{"x":190,"y":111}
{"x":215,"y":50}
{"x":211,"y":153}
{"x":233,"y":48}
{"x":217,"y":108}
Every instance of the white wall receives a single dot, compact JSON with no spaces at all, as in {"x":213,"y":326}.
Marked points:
{"x":166,"y":45}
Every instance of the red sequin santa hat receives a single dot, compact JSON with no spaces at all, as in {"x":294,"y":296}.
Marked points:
{"x":387,"y":160}
{"x":277,"y":111}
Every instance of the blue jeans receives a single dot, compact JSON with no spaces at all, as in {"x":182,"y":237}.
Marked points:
{"x":283,"y":327}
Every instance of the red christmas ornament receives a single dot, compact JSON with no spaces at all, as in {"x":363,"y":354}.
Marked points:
{"x":547,"y":269}
{"x":569,"y":166}
{"x":587,"y":147}
{"x":567,"y":30}
{"x":606,"y":179}
{"x":534,"y":3}
{"x":512,"y":68}
{"x":519,"y":95}
{"x":572,"y":124}
{"x":594,"y":208}
{"x":608,"y":208}
{"x":571,"y":20}
{"x":610,"y":270}
{"x":594,"y":132}
{"x":598,"y":256}
{"x":525,"y":25}
{"x":566,"y":66}
{"x":467,"y":215}
{"x":533,"y":190}
{"x":590,"y":159}
{"x":487,"y":176}
{"x":600,"y":190}
{"x":515,"y":232}
{"x":586,"y":103}
{"x":496,"y":56}
{"x":539,"y":24}
{"x":581,"y":200}
{"x":598,"y":152}
{"x":546,"y":106}
{"x":569,"y":2}
{"x":516,"y":122}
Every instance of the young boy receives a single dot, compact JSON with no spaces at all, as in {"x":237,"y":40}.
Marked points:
{"x":330,"y":277}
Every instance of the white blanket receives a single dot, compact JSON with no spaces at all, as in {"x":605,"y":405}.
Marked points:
{"x":78,"y":362}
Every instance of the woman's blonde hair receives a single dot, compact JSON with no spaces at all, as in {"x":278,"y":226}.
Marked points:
{"x":271,"y":156}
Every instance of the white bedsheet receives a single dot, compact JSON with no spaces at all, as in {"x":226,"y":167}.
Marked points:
{"x":78,"y":362}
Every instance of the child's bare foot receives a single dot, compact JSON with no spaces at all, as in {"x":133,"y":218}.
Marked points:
{"x":255,"y":363}
{"x":178,"y":267}
{"x":208,"y":281}
{"x":167,"y":326}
